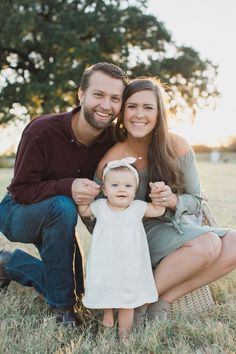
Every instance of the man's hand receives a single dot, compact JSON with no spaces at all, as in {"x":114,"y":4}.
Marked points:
{"x":84,"y":191}
{"x":161,"y":195}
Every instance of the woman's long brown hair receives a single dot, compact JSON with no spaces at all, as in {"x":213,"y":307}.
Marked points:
{"x":161,"y":153}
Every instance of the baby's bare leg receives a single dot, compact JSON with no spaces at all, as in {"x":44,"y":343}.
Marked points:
{"x":108,"y":318}
{"x":125,"y":321}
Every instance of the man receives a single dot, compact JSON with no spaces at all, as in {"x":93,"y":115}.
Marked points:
{"x":55,"y":162}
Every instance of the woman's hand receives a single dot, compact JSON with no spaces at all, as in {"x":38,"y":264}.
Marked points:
{"x":161,"y":194}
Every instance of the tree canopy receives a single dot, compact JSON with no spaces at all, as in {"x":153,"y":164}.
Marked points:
{"x":45,"y":45}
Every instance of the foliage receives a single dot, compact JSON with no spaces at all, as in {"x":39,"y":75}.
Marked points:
{"x":46,"y":45}
{"x":231,"y":144}
{"x":201,"y":148}
{"x":230,"y":147}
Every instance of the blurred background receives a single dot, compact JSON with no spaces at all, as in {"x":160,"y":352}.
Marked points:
{"x":190,"y":45}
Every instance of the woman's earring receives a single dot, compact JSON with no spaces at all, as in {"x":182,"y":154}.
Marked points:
{"x":123,"y":130}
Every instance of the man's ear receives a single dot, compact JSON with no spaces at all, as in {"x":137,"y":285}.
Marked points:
{"x":80,"y":96}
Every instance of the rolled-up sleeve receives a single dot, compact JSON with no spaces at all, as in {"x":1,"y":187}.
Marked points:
{"x":190,"y":202}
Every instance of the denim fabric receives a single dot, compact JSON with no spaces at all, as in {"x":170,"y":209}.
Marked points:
{"x":50,"y":226}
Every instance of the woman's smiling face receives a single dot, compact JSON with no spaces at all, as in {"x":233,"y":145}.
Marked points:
{"x":140,"y":113}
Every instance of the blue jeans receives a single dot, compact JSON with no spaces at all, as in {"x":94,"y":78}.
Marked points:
{"x":50,"y":226}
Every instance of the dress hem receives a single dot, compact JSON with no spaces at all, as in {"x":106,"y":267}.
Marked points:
{"x":122,"y":306}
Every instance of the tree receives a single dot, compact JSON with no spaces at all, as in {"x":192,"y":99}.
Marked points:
{"x":45,"y":45}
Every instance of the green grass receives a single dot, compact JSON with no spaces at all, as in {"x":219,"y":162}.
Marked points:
{"x":25,"y":326}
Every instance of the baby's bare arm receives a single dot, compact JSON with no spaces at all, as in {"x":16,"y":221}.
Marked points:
{"x":153,"y":211}
{"x":85,"y":210}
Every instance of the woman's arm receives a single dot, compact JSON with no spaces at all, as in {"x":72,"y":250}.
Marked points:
{"x":190,"y":201}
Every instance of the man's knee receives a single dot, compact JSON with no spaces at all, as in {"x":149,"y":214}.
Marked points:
{"x":64,"y":208}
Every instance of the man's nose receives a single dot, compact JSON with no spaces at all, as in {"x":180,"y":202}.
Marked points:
{"x":106,"y":103}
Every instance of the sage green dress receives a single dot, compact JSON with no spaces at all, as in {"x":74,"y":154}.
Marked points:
{"x":171,"y":231}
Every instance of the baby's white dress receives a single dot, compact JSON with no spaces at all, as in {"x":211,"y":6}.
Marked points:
{"x":119,"y":272}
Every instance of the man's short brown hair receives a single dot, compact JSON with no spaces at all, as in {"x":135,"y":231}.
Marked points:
{"x":107,"y":68}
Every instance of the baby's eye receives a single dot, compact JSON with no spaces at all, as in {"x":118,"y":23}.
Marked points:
{"x":128,"y":185}
{"x":114,"y":185}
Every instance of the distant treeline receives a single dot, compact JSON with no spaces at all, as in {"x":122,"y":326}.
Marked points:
{"x":231,"y":147}
{"x":7,"y":160}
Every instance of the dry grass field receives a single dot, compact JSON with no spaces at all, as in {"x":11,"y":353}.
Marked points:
{"x":25,"y":326}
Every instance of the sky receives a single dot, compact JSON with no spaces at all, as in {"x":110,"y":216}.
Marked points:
{"x":209,"y":27}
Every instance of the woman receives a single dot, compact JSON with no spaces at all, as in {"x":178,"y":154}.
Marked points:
{"x":184,"y":255}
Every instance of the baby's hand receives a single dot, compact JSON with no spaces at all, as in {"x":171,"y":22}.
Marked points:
{"x":156,"y":186}
{"x":93,"y":190}
{"x":84,"y":191}
{"x":155,"y":193}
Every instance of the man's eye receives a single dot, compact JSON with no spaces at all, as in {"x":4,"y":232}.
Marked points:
{"x":97,"y":94}
{"x":116,"y":99}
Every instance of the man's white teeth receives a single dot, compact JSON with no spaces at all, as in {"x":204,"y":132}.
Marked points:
{"x":102,"y":114}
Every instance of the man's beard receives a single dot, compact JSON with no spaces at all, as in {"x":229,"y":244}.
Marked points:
{"x":89,"y":117}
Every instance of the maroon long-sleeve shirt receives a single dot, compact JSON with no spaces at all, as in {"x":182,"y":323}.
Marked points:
{"x":49,"y":158}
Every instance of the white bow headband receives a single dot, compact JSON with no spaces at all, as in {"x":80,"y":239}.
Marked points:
{"x":118,"y":163}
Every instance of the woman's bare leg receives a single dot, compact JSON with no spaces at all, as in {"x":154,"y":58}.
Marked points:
{"x":108,"y":318}
{"x":184,"y":263}
{"x":224,"y":264}
{"x":125,"y":321}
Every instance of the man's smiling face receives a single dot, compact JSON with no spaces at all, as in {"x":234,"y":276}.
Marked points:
{"x":101,"y":101}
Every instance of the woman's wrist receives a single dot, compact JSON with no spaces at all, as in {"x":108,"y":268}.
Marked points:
{"x":173,"y":201}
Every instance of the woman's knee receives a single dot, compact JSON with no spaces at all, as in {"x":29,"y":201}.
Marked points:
{"x":206,"y":247}
{"x":228,"y":249}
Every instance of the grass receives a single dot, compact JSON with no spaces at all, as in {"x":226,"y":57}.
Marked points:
{"x":26,"y":327}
